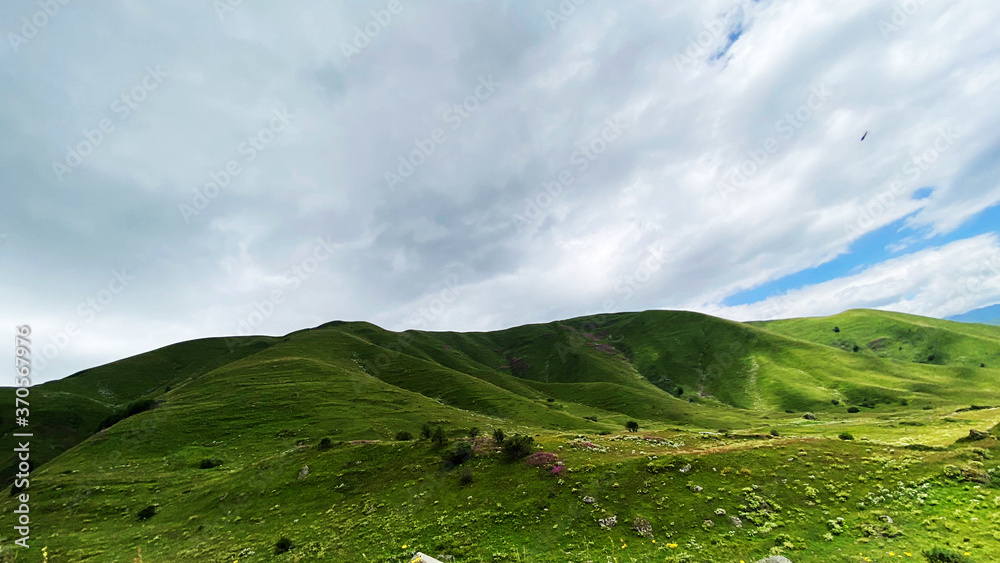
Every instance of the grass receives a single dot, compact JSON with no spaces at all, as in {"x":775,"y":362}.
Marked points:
{"x":258,"y":411}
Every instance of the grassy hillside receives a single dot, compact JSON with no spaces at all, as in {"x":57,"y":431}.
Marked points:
{"x":754,"y":439}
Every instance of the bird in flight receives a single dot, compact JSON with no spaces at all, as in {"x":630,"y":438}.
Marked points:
{"x":865,"y":135}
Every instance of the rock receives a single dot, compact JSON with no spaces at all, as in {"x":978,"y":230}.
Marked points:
{"x":707,"y":524}
{"x":304,"y":472}
{"x":697,"y":488}
{"x":608,"y":523}
{"x":643,"y":527}
{"x":775,"y":559}
{"x":736,"y":522}
{"x":976,"y":435}
{"x":885,"y":518}
{"x":686,"y":468}
{"x":589,"y":500}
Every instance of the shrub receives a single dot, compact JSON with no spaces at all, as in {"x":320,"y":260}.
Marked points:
{"x":774,"y":432}
{"x":904,"y":402}
{"x":551,"y":400}
{"x":945,"y":555}
{"x":518,"y":446}
{"x":209,"y":462}
{"x":680,"y":391}
{"x":426,"y":432}
{"x":466,"y":477}
{"x":458,"y":453}
{"x":498,"y":436}
{"x":474,"y":432}
{"x":403,"y":436}
{"x":855,"y":348}
{"x":438,"y":437}
{"x":835,"y":401}
{"x":853,"y":409}
{"x":147,"y":513}
{"x":632,"y":426}
{"x":325,"y":443}
{"x":590,"y":418}
{"x":836,"y":329}
{"x":283,"y":545}
{"x":846,"y":436}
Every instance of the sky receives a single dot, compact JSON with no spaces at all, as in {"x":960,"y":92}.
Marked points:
{"x":178,"y":170}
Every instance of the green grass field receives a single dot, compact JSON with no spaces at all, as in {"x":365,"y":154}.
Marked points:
{"x":780,"y":437}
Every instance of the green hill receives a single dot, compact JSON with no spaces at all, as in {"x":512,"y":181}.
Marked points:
{"x":243,"y":441}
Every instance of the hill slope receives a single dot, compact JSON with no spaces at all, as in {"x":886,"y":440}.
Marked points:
{"x":230,"y":458}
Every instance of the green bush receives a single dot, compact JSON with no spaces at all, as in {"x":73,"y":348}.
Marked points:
{"x":498,"y":436}
{"x":474,"y":432}
{"x":438,"y":437}
{"x":458,"y":453}
{"x":283,"y":545}
{"x":403,"y":436}
{"x":518,"y":446}
{"x":774,"y":432}
{"x":466,"y":477}
{"x":209,"y":462}
{"x":147,"y":513}
{"x":632,"y":426}
{"x":426,"y":432}
{"x":945,"y":555}
{"x":325,"y":443}
{"x":846,"y":436}
{"x":853,"y":409}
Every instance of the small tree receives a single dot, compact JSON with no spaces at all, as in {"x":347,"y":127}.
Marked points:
{"x":458,"y":453}
{"x":438,"y":437}
{"x":632,"y":426}
{"x":473,"y":432}
{"x":498,"y":436}
{"x":403,"y":436}
{"x":426,"y":432}
{"x":518,"y":446}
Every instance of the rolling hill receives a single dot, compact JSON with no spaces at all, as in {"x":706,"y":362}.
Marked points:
{"x":241,"y":441}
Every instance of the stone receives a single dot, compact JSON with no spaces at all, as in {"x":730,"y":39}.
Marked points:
{"x":775,"y":559}
{"x":608,"y":523}
{"x":589,"y":500}
{"x":736,"y":522}
{"x":304,"y":472}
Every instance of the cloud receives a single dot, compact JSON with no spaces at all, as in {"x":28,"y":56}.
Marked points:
{"x":649,"y":219}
